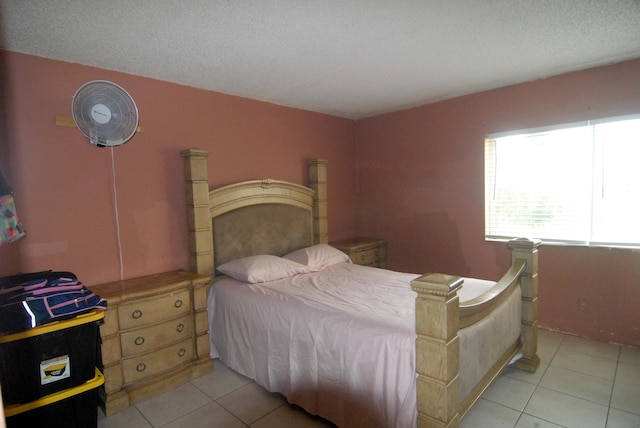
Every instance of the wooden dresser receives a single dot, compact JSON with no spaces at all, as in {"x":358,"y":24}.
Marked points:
{"x":364,"y":251}
{"x":154,"y":337}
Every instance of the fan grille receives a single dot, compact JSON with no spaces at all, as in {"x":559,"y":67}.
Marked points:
{"x":105,"y":113}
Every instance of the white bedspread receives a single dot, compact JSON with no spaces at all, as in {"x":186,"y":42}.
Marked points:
{"x":340,"y":343}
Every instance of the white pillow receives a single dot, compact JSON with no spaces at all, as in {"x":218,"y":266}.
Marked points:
{"x":318,"y":257}
{"x":261,"y":268}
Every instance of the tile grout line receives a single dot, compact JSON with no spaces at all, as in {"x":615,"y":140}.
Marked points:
{"x":538,"y":386}
{"x":144,"y":416}
{"x":268,"y":413}
{"x":613,"y":385}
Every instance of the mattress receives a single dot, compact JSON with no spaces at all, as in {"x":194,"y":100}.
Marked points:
{"x":340,"y":343}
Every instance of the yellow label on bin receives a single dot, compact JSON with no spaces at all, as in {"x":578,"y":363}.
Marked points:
{"x":55,"y":369}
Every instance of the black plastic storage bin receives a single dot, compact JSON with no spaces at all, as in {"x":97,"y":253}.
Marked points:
{"x":72,"y":408}
{"x":49,"y":358}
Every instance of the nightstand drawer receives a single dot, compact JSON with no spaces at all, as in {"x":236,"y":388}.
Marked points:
{"x":147,"y":365}
{"x":149,"y":311}
{"x":365,"y":257}
{"x":364,"y":251}
{"x":149,"y":338}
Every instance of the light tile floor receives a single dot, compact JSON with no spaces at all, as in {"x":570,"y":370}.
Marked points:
{"x":581,"y":383}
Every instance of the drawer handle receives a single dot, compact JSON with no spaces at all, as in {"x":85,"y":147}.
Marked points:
{"x":180,"y":328}
{"x":178,"y":303}
{"x":141,"y":367}
{"x":362,"y":257}
{"x":139,"y":340}
{"x":137,"y":314}
{"x":181,"y":352}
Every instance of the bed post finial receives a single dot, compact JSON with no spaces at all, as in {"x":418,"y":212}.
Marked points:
{"x":198,"y":217}
{"x":318,"y":182}
{"x":527,"y":250}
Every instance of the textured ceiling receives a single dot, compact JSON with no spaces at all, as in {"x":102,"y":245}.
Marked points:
{"x":348,"y":58}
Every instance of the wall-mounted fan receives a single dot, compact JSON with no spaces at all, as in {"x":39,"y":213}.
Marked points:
{"x":105,"y":113}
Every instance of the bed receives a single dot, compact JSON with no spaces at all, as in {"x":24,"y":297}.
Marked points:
{"x":419,"y":355}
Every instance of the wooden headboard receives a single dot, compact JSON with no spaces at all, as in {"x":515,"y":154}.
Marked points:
{"x":252,"y":217}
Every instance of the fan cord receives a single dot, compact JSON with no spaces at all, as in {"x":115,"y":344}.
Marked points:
{"x":115,"y":204}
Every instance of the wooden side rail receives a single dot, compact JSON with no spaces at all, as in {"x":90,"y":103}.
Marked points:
{"x":439,"y":316}
{"x":475,"y":309}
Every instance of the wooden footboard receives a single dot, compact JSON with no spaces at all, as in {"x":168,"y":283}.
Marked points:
{"x":439,"y":316}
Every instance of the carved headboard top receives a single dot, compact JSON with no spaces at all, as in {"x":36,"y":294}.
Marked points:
{"x":251,"y":217}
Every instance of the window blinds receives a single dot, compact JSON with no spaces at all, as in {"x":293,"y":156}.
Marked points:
{"x":574,"y":184}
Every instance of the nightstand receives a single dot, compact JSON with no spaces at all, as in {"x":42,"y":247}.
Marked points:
{"x":364,"y":251}
{"x":155,"y":336}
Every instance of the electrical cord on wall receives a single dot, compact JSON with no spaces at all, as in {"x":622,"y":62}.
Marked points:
{"x":115,"y":204}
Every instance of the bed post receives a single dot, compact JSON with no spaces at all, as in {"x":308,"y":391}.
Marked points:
{"x":527,"y":250}
{"x":318,"y":182}
{"x":198,"y":216}
{"x":437,"y":350}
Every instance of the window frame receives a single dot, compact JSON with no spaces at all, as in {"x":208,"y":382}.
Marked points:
{"x":531,"y":169}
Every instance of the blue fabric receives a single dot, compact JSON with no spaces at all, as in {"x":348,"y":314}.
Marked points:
{"x":39,"y":301}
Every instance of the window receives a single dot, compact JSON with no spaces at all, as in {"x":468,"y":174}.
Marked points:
{"x":572,"y":184}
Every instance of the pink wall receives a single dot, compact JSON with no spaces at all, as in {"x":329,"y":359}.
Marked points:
{"x":63,"y":184}
{"x":415,"y":177}
{"x":420,"y":185}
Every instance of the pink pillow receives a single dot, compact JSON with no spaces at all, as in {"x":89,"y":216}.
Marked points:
{"x":318,"y":257}
{"x":261,"y":268}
